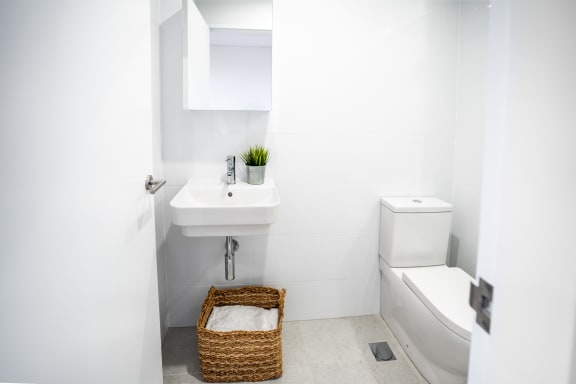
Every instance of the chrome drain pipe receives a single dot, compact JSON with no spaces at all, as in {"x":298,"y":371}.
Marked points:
{"x":231,"y":247}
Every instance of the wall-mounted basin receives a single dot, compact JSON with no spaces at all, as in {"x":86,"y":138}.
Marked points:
{"x":214,"y":208}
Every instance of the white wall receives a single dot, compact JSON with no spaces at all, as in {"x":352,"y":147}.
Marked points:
{"x":364,"y":101}
{"x":469,"y":133}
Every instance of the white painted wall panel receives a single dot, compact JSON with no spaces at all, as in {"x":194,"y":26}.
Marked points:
{"x":363,"y":105}
{"x":469,"y":133}
{"x":78,"y":279}
{"x":526,"y":247}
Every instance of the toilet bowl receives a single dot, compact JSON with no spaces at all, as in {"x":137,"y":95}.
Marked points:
{"x":424,"y":302}
{"x":425,"y":309}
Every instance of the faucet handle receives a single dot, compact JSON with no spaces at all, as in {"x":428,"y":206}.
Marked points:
{"x":231,"y":169}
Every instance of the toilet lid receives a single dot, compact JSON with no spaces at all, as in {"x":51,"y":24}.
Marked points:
{"x":445,"y":292}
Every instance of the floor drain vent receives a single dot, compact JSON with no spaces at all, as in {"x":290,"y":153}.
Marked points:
{"x":382,"y":351}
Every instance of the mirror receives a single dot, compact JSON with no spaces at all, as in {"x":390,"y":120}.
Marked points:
{"x":227,"y":55}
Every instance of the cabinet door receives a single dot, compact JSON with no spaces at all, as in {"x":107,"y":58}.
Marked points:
{"x":196,"y":56}
{"x":227,"y":53}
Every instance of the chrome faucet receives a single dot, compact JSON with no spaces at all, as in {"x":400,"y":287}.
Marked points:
{"x":230,"y":169}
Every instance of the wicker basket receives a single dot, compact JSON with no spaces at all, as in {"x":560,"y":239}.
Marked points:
{"x":241,"y":355}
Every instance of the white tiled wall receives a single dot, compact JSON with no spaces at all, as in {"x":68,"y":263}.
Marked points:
{"x":469,"y":134}
{"x":364,"y":105}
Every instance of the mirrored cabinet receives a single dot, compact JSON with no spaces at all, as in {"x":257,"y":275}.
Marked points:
{"x":227,"y":55}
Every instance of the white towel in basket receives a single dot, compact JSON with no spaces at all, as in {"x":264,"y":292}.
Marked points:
{"x":242,"y":318}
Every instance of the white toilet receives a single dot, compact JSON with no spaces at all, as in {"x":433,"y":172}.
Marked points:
{"x":424,"y":302}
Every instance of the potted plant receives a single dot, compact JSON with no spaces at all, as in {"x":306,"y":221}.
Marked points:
{"x":255,"y":159}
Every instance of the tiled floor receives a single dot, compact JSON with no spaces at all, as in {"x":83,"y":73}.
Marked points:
{"x":314,"y":352}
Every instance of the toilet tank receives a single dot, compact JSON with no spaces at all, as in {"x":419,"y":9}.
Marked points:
{"x":414,"y":231}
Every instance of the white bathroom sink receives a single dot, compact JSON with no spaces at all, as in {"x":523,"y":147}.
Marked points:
{"x":214,"y":208}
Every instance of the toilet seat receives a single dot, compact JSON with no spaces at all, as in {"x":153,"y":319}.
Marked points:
{"x":444,"y":291}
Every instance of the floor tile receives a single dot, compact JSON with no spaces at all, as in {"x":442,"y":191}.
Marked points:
{"x":177,"y":379}
{"x":333,"y":351}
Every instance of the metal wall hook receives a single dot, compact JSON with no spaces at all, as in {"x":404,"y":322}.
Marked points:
{"x":152,"y":186}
